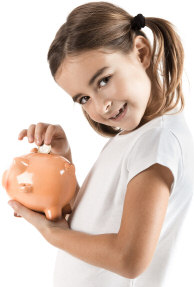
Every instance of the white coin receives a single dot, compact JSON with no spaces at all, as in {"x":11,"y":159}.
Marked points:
{"x":44,"y":148}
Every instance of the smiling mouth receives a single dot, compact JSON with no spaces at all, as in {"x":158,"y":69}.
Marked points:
{"x":120,"y":112}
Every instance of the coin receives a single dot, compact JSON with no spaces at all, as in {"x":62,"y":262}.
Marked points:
{"x":44,"y":148}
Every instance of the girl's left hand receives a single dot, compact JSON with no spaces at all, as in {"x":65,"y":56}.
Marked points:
{"x":45,"y":227}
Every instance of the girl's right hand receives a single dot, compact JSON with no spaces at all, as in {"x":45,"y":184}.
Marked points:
{"x":48,"y":134}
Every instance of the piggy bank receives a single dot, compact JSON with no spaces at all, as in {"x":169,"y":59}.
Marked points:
{"x":42,"y":182}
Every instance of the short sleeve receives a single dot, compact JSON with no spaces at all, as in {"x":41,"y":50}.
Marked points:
{"x":158,"y":145}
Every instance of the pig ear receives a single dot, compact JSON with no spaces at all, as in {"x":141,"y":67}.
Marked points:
{"x":21,"y":164}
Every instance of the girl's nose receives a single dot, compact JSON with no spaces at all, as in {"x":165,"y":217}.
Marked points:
{"x":103,"y":106}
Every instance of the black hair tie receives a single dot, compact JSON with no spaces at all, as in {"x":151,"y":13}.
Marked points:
{"x":138,"y":22}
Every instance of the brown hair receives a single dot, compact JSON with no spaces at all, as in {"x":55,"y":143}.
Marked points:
{"x":101,"y":24}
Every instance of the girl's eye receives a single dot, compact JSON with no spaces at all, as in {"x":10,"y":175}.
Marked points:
{"x":80,"y":100}
{"x":98,"y":84}
{"x":102,"y":80}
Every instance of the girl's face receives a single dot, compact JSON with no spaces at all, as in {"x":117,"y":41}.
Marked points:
{"x":123,"y":81}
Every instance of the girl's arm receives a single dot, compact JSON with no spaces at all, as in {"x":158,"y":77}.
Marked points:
{"x":100,"y":250}
{"x":129,"y":252}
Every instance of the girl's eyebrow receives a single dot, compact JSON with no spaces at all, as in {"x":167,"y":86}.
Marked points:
{"x":91,"y":81}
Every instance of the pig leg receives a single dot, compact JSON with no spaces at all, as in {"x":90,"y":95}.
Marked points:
{"x":53,"y":213}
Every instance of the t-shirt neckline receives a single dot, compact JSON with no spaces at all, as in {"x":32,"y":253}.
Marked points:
{"x":132,"y":132}
{"x":145,"y":125}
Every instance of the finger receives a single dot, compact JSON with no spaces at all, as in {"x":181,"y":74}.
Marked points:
{"x":25,"y":133}
{"x":16,"y":215}
{"x":67,"y":209}
{"x":22,"y":134}
{"x":30,"y":133}
{"x":49,"y":134}
{"x":39,"y":130}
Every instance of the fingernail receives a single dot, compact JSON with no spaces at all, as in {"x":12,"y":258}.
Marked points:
{"x":16,"y":214}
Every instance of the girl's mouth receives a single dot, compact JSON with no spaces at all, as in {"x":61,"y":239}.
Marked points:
{"x":121,"y":113}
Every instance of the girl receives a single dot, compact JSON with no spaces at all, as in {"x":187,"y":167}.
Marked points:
{"x":128,"y":213}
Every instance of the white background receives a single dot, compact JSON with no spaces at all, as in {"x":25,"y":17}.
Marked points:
{"x":28,"y":94}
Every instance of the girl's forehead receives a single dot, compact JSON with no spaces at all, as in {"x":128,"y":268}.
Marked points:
{"x":90,"y":58}
{"x":88,"y":62}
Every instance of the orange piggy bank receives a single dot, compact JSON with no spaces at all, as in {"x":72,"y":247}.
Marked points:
{"x":42,"y":182}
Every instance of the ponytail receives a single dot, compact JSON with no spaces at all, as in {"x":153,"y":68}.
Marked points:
{"x":167,"y":48}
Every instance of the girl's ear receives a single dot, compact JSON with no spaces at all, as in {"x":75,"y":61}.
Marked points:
{"x":142,"y":50}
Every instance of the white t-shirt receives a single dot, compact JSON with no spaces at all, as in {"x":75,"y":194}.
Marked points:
{"x":99,"y":205}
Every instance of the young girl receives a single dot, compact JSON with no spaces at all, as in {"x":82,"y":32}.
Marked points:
{"x":128,"y":213}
